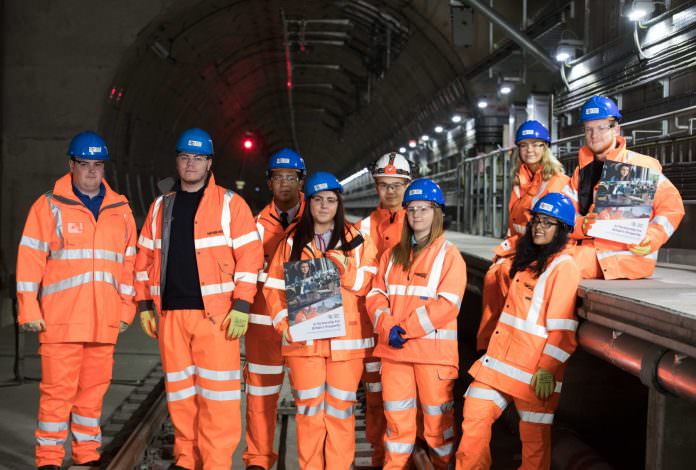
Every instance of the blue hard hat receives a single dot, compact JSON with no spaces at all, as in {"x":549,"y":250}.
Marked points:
{"x":557,"y":206}
{"x":286,"y":159}
{"x":532,"y":130}
{"x":321,"y":181}
{"x":599,"y":107}
{"x":424,"y":189}
{"x":88,"y":145}
{"x":195,"y":141}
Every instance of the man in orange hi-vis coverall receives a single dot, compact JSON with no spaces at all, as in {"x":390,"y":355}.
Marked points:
{"x":598,"y":258}
{"x":198,"y":262}
{"x":392,"y":173}
{"x":75,"y":287}
{"x":263,"y":372}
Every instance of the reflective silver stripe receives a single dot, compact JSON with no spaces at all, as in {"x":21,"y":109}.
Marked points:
{"x":34,"y":243}
{"x":506,"y":369}
{"x":131,"y":251}
{"x":46,"y":441}
{"x":106,"y":276}
{"x":181,"y":394}
{"x":125,"y":289}
{"x":378,"y":313}
{"x":146,"y":242}
{"x":399,"y":405}
{"x":142,"y":276}
{"x":340,"y":414}
{"x":84,"y":420}
{"x":226,"y":217}
{"x":257,"y":319}
{"x":260,"y":228}
{"x":570,"y":192}
{"x":279,"y":317}
{"x":263,"y":391}
{"x":448,"y":433}
{"x":309,"y":393}
{"x":181,"y":374}
{"x":244,"y":239}
{"x":436,"y":270}
{"x":559,"y":386}
{"x":154,"y":290}
{"x":86,"y":253}
{"x":360,"y":275}
{"x":373,"y":387}
{"x":516,"y":190}
{"x":398,"y":447}
{"x":209,"y":242}
{"x":424,"y":319}
{"x":375,"y":291}
{"x":556,"y":324}
{"x":539,"y":193}
{"x":534,"y":417}
{"x":364,"y":226}
{"x":556,"y":353}
{"x":437,"y":409}
{"x":523,"y":325}
{"x":340,"y":394}
{"x":349,"y":344}
{"x":153,"y":227}
{"x":213,"y":289}
{"x":487,"y":394}
{"x":246,"y":277}
{"x":217,"y":395}
{"x":262,"y":277}
{"x":520,"y":229}
{"x":607,"y":254}
{"x":373,"y":366}
{"x":419,"y":291}
{"x":441,"y":334}
{"x":49,"y":426}
{"x":540,"y":289}
{"x":305,"y":410}
{"x":443,"y":451}
{"x":57,"y":217}
{"x":23,"y":286}
{"x":454,"y":298}
{"x":664,"y":223}
{"x":273,"y":283}
{"x":217,"y":375}
{"x":82,"y":437}
{"x":68,"y":283}
{"x":263,"y":369}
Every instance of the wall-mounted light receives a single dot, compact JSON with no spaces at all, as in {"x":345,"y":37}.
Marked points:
{"x":402,"y":149}
{"x":505,"y":89}
{"x":439,"y":129}
{"x":568,"y":49}
{"x":412,"y":143}
{"x":482,"y":104}
{"x":425,"y":137}
{"x":639,"y":10}
{"x":456,"y":118}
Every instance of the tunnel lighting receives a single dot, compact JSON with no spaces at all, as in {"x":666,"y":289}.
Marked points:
{"x":412,"y":143}
{"x":640,"y":9}
{"x":248,"y":143}
{"x":483,"y":104}
{"x":425,"y":137}
{"x":568,"y":49}
{"x":456,"y":118}
{"x":562,"y":56}
{"x":505,"y":89}
{"x":402,"y":149}
{"x":439,"y":129}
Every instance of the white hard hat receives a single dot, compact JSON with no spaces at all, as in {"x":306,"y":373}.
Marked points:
{"x":392,"y":164}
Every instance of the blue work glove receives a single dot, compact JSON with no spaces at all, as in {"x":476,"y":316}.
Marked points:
{"x":395,"y":339}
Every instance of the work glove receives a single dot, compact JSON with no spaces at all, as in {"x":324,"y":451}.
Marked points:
{"x":236,"y":324}
{"x":122,"y":327}
{"x":395,"y":338}
{"x":643,"y":248}
{"x":543,"y":383}
{"x":36,"y":326}
{"x":588,"y":221}
{"x":148,"y":323}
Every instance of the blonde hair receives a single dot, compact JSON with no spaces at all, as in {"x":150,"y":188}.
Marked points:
{"x":550,"y":166}
{"x":402,"y":252}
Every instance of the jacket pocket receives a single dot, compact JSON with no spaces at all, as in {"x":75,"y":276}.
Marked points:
{"x":524,"y":350}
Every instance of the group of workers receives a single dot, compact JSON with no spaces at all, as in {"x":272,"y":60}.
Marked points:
{"x":204,"y":272}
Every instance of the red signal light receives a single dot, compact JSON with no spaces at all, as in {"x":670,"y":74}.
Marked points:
{"x":248,"y":143}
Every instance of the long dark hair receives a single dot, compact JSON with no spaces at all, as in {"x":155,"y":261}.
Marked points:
{"x":534,"y":257}
{"x":303,"y":233}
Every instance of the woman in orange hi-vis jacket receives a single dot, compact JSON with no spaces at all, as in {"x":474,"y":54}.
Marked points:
{"x":532,"y":341}
{"x":414,"y":304}
{"x":325,"y":373}
{"x":537,"y":172}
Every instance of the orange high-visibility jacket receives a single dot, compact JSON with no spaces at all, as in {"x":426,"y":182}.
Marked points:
{"x":355,"y":282}
{"x":74,"y":272}
{"x":536,"y":329}
{"x":271,"y":233}
{"x":532,"y":187}
{"x":229,"y":254}
{"x":384,"y":227}
{"x":424,"y":301}
{"x":616,"y":261}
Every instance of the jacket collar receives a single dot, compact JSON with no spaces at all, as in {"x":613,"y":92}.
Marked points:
{"x":63,"y":189}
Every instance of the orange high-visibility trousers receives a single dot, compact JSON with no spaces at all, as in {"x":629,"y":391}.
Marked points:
{"x":483,"y":405}
{"x":375,"y":422}
{"x":263,"y":375}
{"x":203,"y":388}
{"x":74,"y":379}
{"x":324,"y":392}
{"x":404,"y":384}
{"x":496,"y":284}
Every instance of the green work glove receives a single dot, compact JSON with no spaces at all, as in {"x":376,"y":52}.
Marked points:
{"x":148,"y":323}
{"x":236,"y":324}
{"x":543,"y":383}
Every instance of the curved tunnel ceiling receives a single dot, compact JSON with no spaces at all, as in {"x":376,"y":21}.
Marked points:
{"x":358,"y":70}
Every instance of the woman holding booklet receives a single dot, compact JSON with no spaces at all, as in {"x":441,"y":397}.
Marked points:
{"x":325,"y":373}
